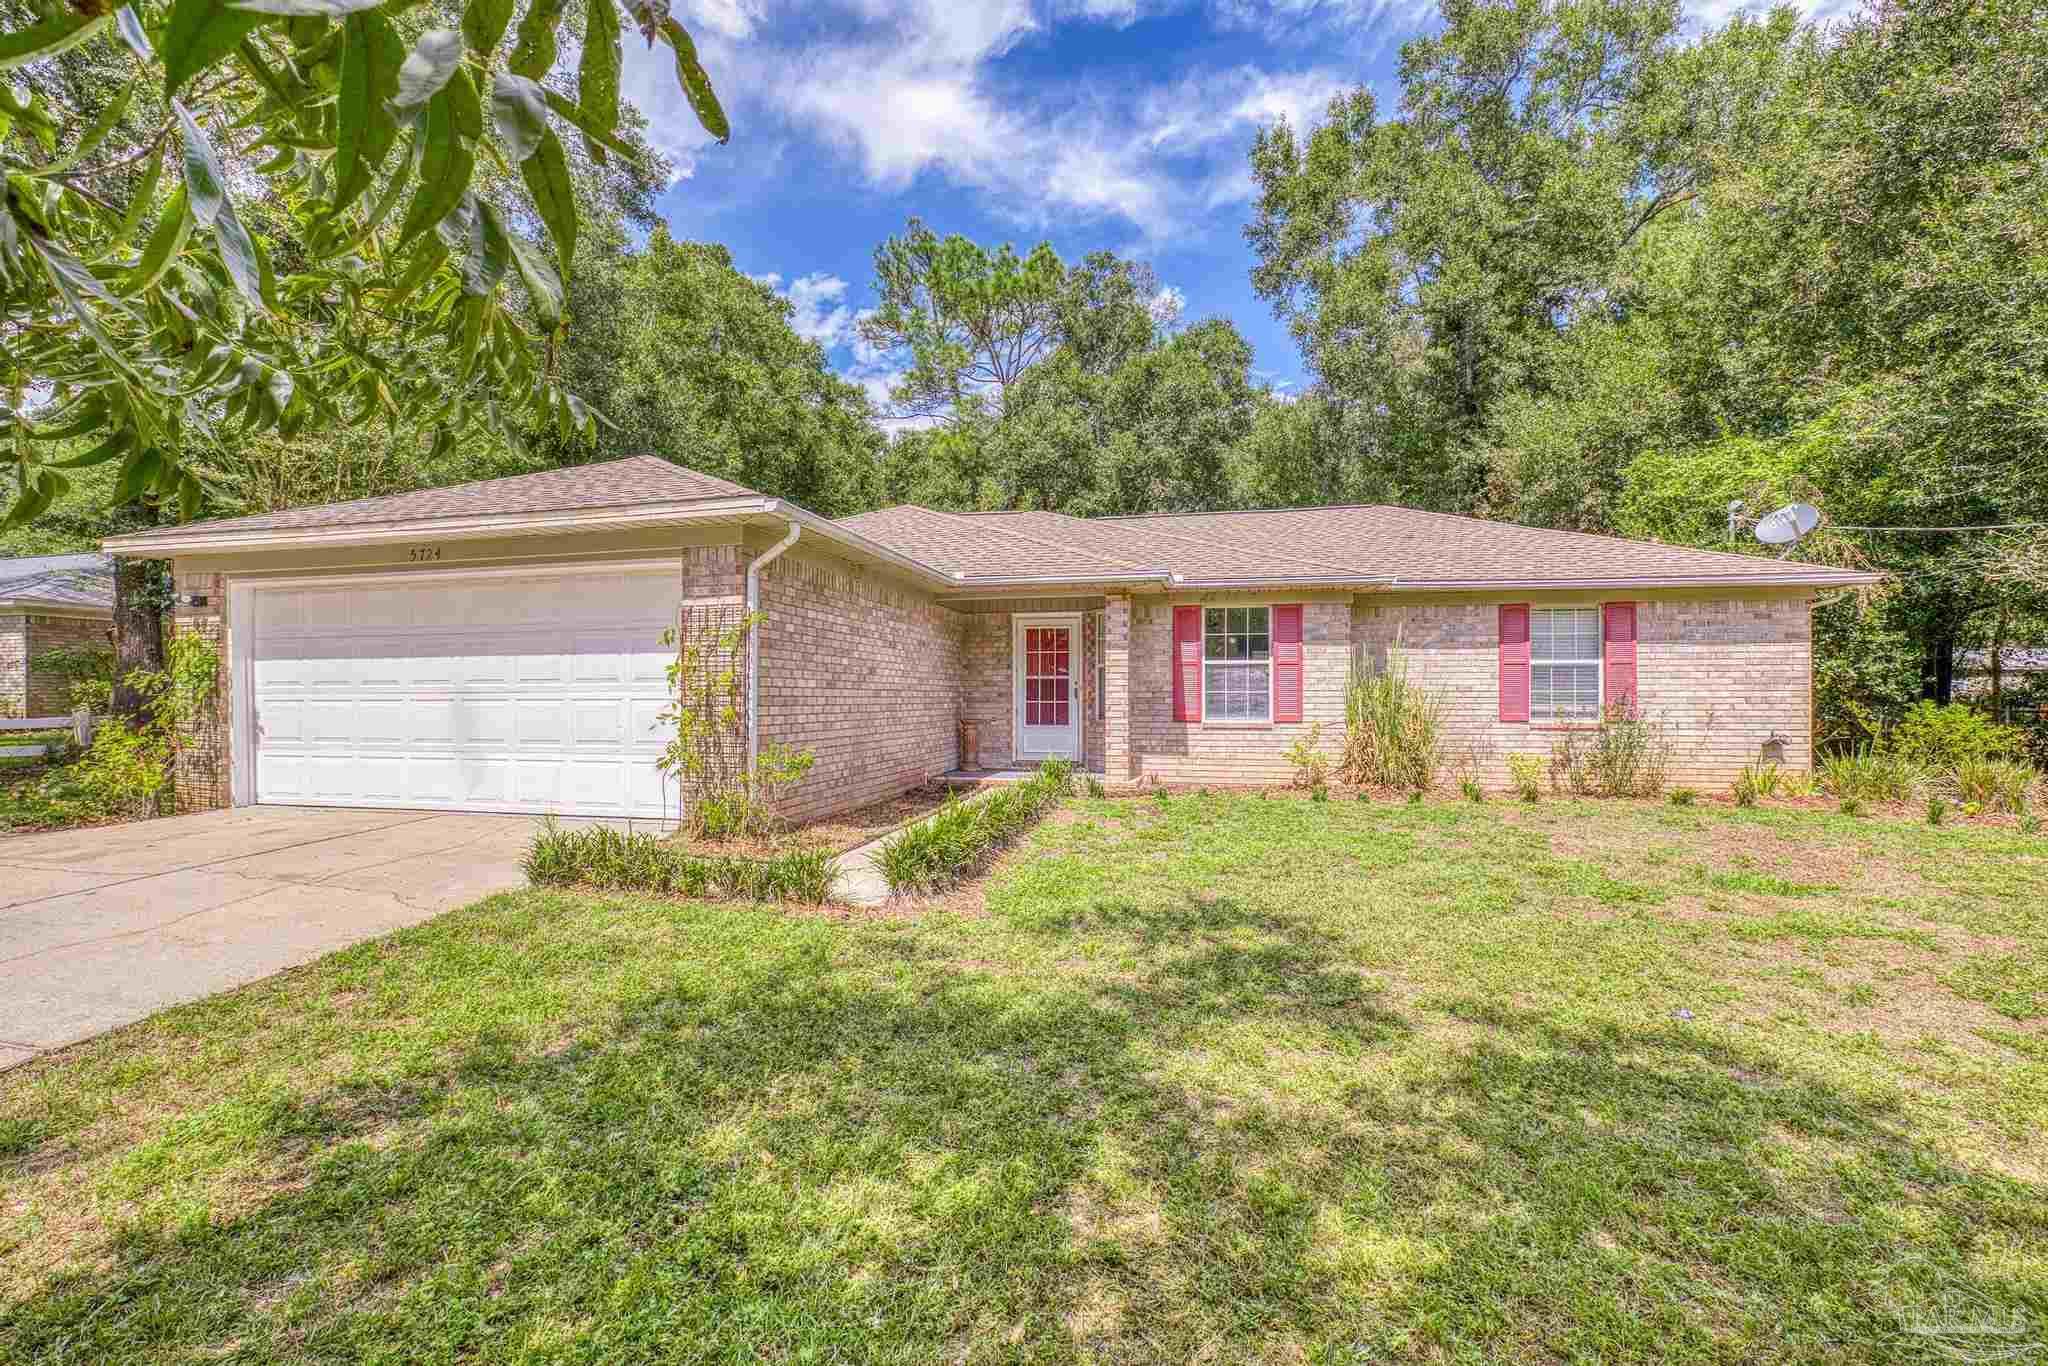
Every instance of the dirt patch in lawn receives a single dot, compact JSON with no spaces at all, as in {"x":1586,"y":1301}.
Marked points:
{"x":836,"y":834}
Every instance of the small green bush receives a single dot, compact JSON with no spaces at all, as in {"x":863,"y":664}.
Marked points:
{"x":1870,"y":775}
{"x":1415,"y":797}
{"x":2029,"y":823}
{"x":1763,"y":778}
{"x":1311,"y":765}
{"x":1626,"y":756}
{"x":956,"y":840}
{"x":1995,"y":784}
{"x":1526,"y":772}
{"x":1943,"y":737}
{"x":1745,"y":790}
{"x":1937,"y":811}
{"x":613,"y":861}
{"x":1319,"y":793}
{"x":1852,"y":806}
{"x":1683,"y":796}
{"x":1472,"y":790}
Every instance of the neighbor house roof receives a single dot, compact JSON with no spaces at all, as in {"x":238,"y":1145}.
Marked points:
{"x":1388,"y":547}
{"x":73,"y":583}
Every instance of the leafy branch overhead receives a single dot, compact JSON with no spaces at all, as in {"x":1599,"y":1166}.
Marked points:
{"x":278,"y":217}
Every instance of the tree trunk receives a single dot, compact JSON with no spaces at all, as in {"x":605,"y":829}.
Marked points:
{"x":138,"y":631}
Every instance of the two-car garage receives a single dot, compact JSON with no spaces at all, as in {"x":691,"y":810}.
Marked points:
{"x":506,"y":690}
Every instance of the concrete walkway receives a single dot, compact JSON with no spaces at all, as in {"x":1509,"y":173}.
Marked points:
{"x":101,"y":927}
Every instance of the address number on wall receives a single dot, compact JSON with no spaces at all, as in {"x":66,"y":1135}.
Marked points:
{"x":420,"y":554}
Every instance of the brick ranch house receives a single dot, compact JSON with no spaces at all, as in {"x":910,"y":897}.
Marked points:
{"x":497,"y":646}
{"x":50,"y":602}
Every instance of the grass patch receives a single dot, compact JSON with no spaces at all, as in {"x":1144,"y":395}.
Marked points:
{"x":1211,"y":1078}
{"x":964,"y":834}
{"x":605,"y":859}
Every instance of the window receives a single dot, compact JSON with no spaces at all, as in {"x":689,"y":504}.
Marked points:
{"x":1101,"y":624}
{"x":1564,"y":664}
{"x":1237,"y":664}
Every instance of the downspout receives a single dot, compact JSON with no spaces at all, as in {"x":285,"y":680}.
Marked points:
{"x":754,"y":642}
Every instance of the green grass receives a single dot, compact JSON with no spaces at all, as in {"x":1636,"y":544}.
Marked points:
{"x":1211,"y":1078}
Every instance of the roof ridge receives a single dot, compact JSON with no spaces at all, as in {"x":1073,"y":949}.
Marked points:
{"x":1041,"y":541}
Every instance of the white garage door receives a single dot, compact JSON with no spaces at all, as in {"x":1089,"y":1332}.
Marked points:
{"x":479,"y":693}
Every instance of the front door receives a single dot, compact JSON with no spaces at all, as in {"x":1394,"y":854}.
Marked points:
{"x":1048,"y":660}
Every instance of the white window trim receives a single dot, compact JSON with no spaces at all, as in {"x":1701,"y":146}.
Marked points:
{"x":1099,"y":665}
{"x":1599,"y":662}
{"x":1272,"y":671}
{"x":1018,"y":624}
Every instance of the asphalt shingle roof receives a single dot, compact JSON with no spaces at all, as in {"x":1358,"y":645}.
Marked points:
{"x":59,"y":580}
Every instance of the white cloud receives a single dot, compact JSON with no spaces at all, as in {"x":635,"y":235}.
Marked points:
{"x":1167,"y":305}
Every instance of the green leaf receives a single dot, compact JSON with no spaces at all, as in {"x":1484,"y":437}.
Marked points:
{"x":240,"y":254}
{"x":371,"y":54}
{"x":519,"y":113}
{"x":543,"y":285}
{"x":188,"y":498}
{"x":205,"y":182}
{"x":546,"y":174}
{"x":306,"y":9}
{"x":163,"y":246}
{"x":597,"y":76}
{"x":696,"y":84}
{"x":447,"y":157}
{"x":59,"y":34}
{"x":75,"y":283}
{"x":100,"y":454}
{"x":130,"y":28}
{"x":577,"y":119}
{"x":478,"y":243}
{"x":534,"y":51}
{"x":200,"y":33}
{"x":434,"y":60}
{"x":484,"y":23}
{"x":138,"y":472}
{"x":145,"y":195}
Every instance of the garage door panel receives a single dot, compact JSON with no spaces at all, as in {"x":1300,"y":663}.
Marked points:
{"x":522,"y":693}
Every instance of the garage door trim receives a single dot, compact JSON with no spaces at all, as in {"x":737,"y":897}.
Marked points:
{"x":241,"y":595}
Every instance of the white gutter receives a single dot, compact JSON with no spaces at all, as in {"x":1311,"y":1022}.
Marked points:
{"x":754,"y":642}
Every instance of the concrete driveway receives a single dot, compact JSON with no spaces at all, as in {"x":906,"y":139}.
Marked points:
{"x":101,"y":927}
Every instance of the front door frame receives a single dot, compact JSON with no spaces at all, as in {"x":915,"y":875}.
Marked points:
{"x":1019,"y":623}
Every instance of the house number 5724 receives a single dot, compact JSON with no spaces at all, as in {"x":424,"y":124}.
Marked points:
{"x":420,"y":554}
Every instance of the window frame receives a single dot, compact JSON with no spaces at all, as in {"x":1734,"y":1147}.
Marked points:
{"x":1554,"y":720}
{"x":1269,"y":661}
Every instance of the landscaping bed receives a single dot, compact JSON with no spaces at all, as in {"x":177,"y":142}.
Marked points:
{"x":834,"y":835}
{"x":1207,"y":1077}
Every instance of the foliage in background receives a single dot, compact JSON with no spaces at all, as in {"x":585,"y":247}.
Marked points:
{"x":1393,"y":729}
{"x":87,"y":671}
{"x":1944,"y":737}
{"x":130,"y":770}
{"x":604,"y":858}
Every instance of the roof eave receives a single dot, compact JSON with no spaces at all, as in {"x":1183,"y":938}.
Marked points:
{"x":1641,"y":581}
{"x":49,"y":608}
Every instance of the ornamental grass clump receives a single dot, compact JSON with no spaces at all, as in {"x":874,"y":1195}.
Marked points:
{"x":1995,"y":784}
{"x":614,"y":861}
{"x":1872,"y":775}
{"x":962,"y":836}
{"x":1393,"y":730}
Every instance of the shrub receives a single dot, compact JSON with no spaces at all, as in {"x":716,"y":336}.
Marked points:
{"x":2029,"y":823}
{"x":1869,"y":775}
{"x":1393,"y":729}
{"x":1763,"y":778}
{"x":1415,"y":797}
{"x":1937,"y":811}
{"x":1472,"y":790}
{"x":1526,"y":772}
{"x":1319,"y":793}
{"x":129,"y":771}
{"x":1311,"y":765}
{"x":87,"y":671}
{"x":1745,"y":790}
{"x":1799,"y":784}
{"x":953,"y":842}
{"x":1094,"y":788}
{"x":1852,"y":806}
{"x":1995,"y":784}
{"x":1627,"y":755}
{"x":1944,"y":737}
{"x":609,"y":860}
{"x":1683,"y":796}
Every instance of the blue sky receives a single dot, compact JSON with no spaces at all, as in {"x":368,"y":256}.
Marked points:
{"x":1118,"y":124}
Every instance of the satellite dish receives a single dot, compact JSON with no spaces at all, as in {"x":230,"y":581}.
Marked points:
{"x":1788,"y":524}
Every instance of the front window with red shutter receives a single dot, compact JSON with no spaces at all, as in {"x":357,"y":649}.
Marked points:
{"x":1564,"y":664}
{"x":1237,"y":664}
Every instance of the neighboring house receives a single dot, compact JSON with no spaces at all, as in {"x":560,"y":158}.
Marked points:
{"x":2022,"y":679}
{"x":49,"y":602}
{"x":498,"y":646}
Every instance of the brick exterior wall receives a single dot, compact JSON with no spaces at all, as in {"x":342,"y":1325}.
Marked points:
{"x":863,"y":671}
{"x":1169,"y":751}
{"x":203,"y":776}
{"x":1723,"y":676}
{"x":14,"y":665}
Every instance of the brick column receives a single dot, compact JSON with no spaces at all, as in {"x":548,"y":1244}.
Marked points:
{"x":1116,"y":690}
{"x":203,"y":777}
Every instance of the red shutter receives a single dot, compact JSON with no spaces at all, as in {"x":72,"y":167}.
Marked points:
{"x":1187,"y":663}
{"x":1618,"y":634}
{"x":1287,"y":662}
{"x":1514,"y":661}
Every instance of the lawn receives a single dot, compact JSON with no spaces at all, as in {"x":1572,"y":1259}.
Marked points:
{"x":1202,"y":1079}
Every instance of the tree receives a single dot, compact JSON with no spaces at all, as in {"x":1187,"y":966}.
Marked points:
{"x":691,"y":360}
{"x":970,"y":320}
